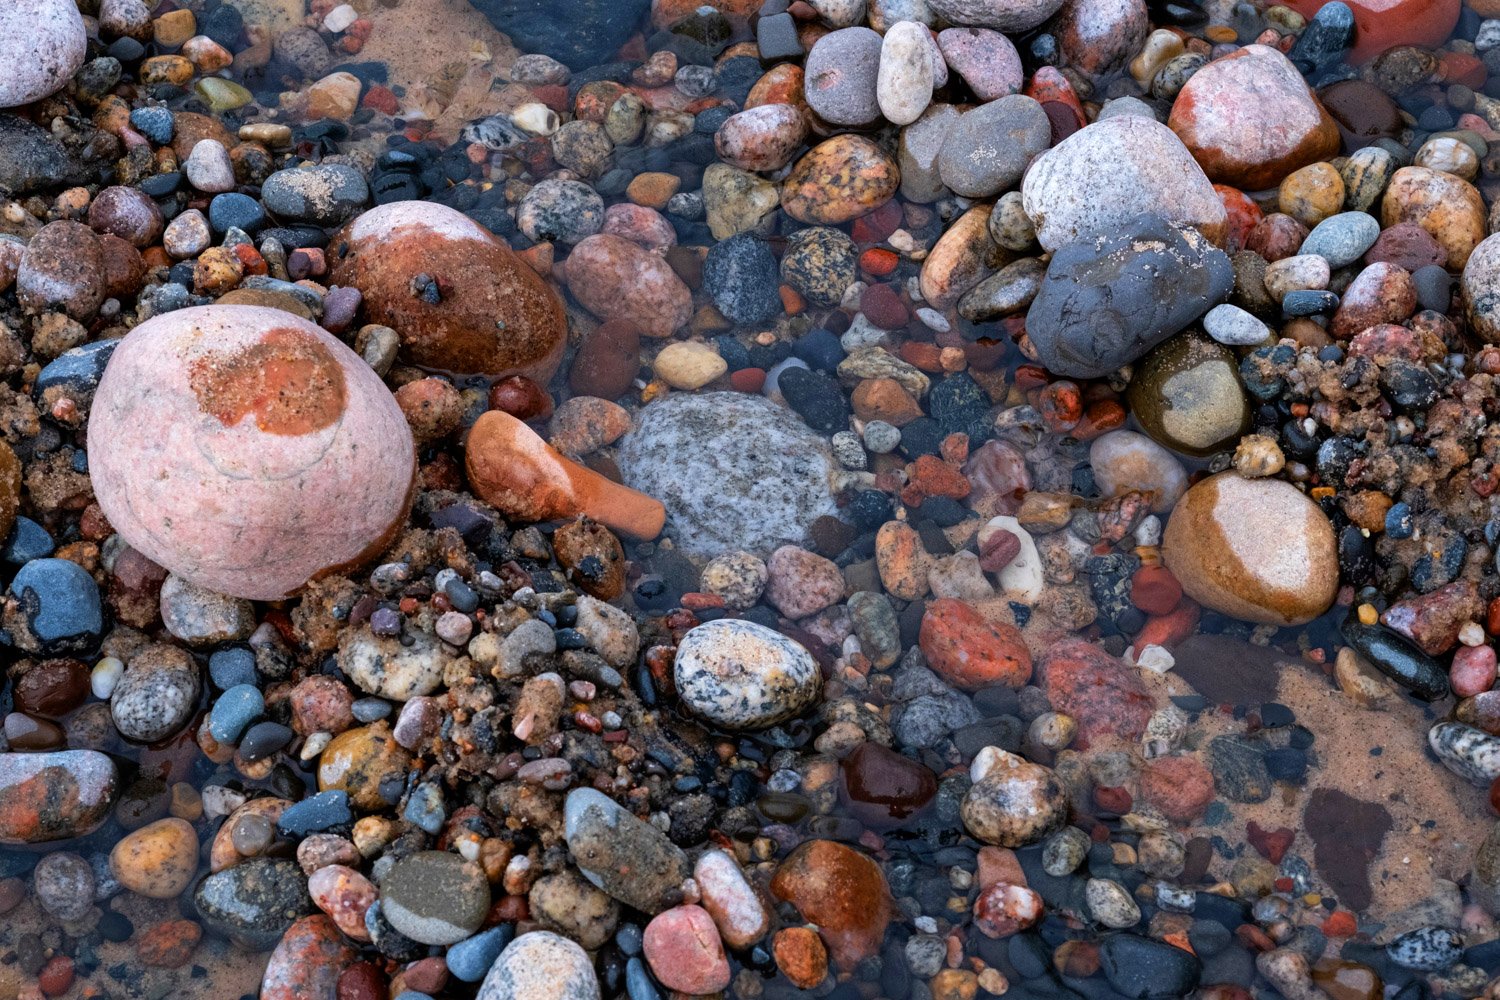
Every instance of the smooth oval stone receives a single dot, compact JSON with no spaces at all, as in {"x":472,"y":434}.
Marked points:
{"x":1342,"y":239}
{"x":1448,"y":207}
{"x":987,"y":61}
{"x":841,"y":76}
{"x":62,"y":268}
{"x":483,"y":310}
{"x":1470,"y":753}
{"x":616,"y":279}
{"x":1012,"y":802}
{"x":54,"y":608}
{"x":221,"y":438}
{"x":1480,"y":286}
{"x":1096,"y":36}
{"x":1400,"y":659}
{"x":255,"y":901}
{"x":839,"y":180}
{"x":1250,"y":119}
{"x":988,"y":150}
{"x":157,"y":695}
{"x":42,"y":44}
{"x":1011,"y":16}
{"x":1139,"y":967}
{"x":541,"y":965}
{"x":54,"y":796}
{"x":1187,"y":395}
{"x":741,"y":675}
{"x":1363,"y":112}
{"x":626,"y":857}
{"x":883,"y":788}
{"x":841,"y":891}
{"x":434,"y":897}
{"x":1100,"y":178}
{"x":903,"y":88}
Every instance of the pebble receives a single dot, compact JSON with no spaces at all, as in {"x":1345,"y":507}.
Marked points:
{"x":54,"y":796}
{"x":325,"y":194}
{"x":905,"y":79}
{"x":1343,"y":238}
{"x":734,"y":906}
{"x":62,"y":268}
{"x":843,"y":892}
{"x":820,"y":263}
{"x":1187,"y":395}
{"x":64,"y":885}
{"x":562,"y":211}
{"x":494,"y":315}
{"x":763,"y":138}
{"x":201,"y":617}
{"x":470,"y":959}
{"x":1100,"y":35}
{"x":159,"y":860}
{"x":1012,"y":802}
{"x":917,"y":153}
{"x":345,"y":895}
{"x":392,"y":668}
{"x":629,"y":859}
{"x":233,"y":712}
{"x":1428,"y":949}
{"x":1234,"y":327}
{"x":340,"y":436}
{"x":1470,"y":753}
{"x":741,"y":275}
{"x":43,"y":42}
{"x":801,"y":583}
{"x":683,"y":949}
{"x":1480,"y":288}
{"x":1010,"y":16}
{"x":1140,"y":967}
{"x":541,"y":965}
{"x":307,"y":961}
{"x":1110,"y":904}
{"x":1449,"y":208}
{"x":617,"y":279}
{"x":209,"y":168}
{"x":1249,"y":119}
{"x":56,"y":608}
{"x":1256,"y":549}
{"x":841,"y":75}
{"x":127,"y":213}
{"x":989,"y":148}
{"x":1399,"y":658}
{"x":434,"y":897}
{"x":839,"y":180}
{"x":741,"y":675}
{"x":968,"y":651}
{"x":986,"y":59}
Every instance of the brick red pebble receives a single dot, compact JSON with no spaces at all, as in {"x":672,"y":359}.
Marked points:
{"x":1155,"y":590}
{"x":522,"y":398}
{"x":168,"y":945}
{"x":56,"y":977}
{"x":999,"y":551}
{"x":970,"y":652}
{"x":1181,"y":787}
{"x":1113,"y":799}
{"x":878,"y":225}
{"x":1340,"y":923}
{"x":1272,"y":844}
{"x":1001,"y":910}
{"x":307,"y":961}
{"x":1473,"y":670}
{"x":882,"y":306}
{"x":361,"y":981}
{"x":1061,"y":406}
{"x":878,"y":262}
{"x":1243,"y":214}
{"x":1106,"y":697}
{"x":1408,"y":246}
{"x":748,"y":379}
{"x":684,"y":951}
{"x":800,"y":955}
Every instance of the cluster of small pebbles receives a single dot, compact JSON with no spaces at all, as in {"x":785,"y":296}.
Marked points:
{"x":643,"y":498}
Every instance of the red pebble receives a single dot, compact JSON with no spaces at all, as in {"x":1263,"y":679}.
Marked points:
{"x":1049,"y":85}
{"x":878,"y":225}
{"x":1272,"y":844}
{"x":748,"y":379}
{"x":1001,"y":909}
{"x":1473,"y":670}
{"x":361,"y":981}
{"x":1114,"y":800}
{"x":1100,"y":418}
{"x":1168,"y":630}
{"x":381,"y":99}
{"x":882,"y":306}
{"x":1061,"y":406}
{"x":521,"y":397}
{"x":1340,"y":923}
{"x":878,"y":262}
{"x":1243,"y":214}
{"x":1000,"y":550}
{"x":56,"y":976}
{"x":1155,"y":590}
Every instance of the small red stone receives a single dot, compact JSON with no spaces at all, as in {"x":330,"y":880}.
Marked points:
{"x":882,"y":306}
{"x":930,"y":476}
{"x":1340,"y":923}
{"x":1168,"y":630}
{"x":1473,"y":670}
{"x":1001,"y":910}
{"x":1155,"y":590}
{"x":56,"y":976}
{"x":970,"y":652}
{"x":1243,"y":214}
{"x":1181,"y":787}
{"x":1113,"y":800}
{"x":1495,"y":796}
{"x":920,"y":354}
{"x":878,"y":225}
{"x":381,"y":99}
{"x":521,"y":397}
{"x":1000,"y":550}
{"x":879,"y":262}
{"x":361,"y":981}
{"x":1271,"y":844}
{"x":1061,"y":406}
{"x":1100,"y":418}
{"x":748,"y":379}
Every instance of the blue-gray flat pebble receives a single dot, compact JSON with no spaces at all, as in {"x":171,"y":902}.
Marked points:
{"x":472,"y":957}
{"x":638,"y":981}
{"x":315,"y":814}
{"x":1342,"y":239}
{"x":234,"y":711}
{"x":1309,"y":302}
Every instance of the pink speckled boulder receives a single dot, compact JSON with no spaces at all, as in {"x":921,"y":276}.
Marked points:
{"x":683,"y":948}
{"x":247,"y":450}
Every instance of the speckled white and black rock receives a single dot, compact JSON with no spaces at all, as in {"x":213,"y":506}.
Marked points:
{"x":1470,"y":753}
{"x":1427,"y":949}
{"x":626,"y":857}
{"x":389,"y":668}
{"x":741,"y":675}
{"x":1012,"y":802}
{"x":42,"y":44}
{"x":734,"y":471}
{"x":156,"y":695}
{"x":541,"y":966}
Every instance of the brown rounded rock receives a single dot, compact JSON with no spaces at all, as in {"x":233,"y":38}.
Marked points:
{"x":480,"y":309}
{"x":841,"y":891}
{"x":1256,"y":549}
{"x":62,"y":268}
{"x":247,"y":451}
{"x":356,"y":761}
{"x":839,"y":180}
{"x":158,"y":860}
{"x":1448,"y":207}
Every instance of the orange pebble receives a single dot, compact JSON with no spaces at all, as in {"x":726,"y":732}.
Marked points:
{"x":878,"y":262}
{"x":791,"y":301}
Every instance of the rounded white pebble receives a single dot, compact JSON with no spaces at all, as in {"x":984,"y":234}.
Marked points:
{"x":105,"y":675}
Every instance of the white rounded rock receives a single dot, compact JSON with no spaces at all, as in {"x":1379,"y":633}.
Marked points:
{"x":541,"y":965}
{"x":1125,"y":461}
{"x":740,"y":675}
{"x":903,"y":86}
{"x":42,"y":44}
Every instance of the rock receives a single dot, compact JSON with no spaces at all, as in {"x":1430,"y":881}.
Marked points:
{"x":434,"y":897}
{"x":970,"y":652}
{"x":841,"y":891}
{"x":1427,"y":949}
{"x":1383,"y":24}
{"x":763,"y":138}
{"x":1011,"y":16}
{"x":171,"y":413}
{"x":1256,"y":549}
{"x":580,"y":33}
{"x":1096,"y":36}
{"x":1145,"y":969}
{"x":42,"y":44}
{"x":356,"y":761}
{"x":1012,"y":802}
{"x":325,"y":194}
{"x":1099,"y":180}
{"x":54,"y":608}
{"x":158,"y":860}
{"x":54,"y":796}
{"x":683,"y":949}
{"x":1249,"y":119}
{"x":570,"y":905}
{"x":31,"y":159}
{"x":157,"y":695}
{"x":1110,"y":904}
{"x":1399,"y":658}
{"x":884,"y":789}
{"x":307,"y":961}
{"x":389,"y":667}
{"x":561,"y":211}
{"x":740,"y":675}
{"x":1124,"y":462}
{"x":840,"y":76}
{"x":481,"y":309}
{"x":1480,"y":287}
{"x":541,"y":965}
{"x":801,"y":583}
{"x":1342,"y":239}
{"x":987,"y":61}
{"x":736,"y":201}
{"x":128,"y":213}
{"x":1470,"y":753}
{"x":964,"y":256}
{"x":614,"y":278}
{"x":1187,"y":394}
{"x":820,"y":263}
{"x":344,"y":894}
{"x":839,"y":180}
{"x":629,"y":859}
{"x":1106,"y":698}
{"x":1448,"y":207}
{"x":735,"y":907}
{"x":769,"y":472}
{"x":200,"y":617}
{"x":472,"y":957}
{"x":740,"y":274}
{"x":62,"y":269}
{"x":1108,"y":300}
{"x":1181,"y":787}
{"x":64,"y":885}
{"x":335,"y":96}
{"x":609,"y":630}
{"x":918,"y":149}
{"x":990,"y":147}
{"x":904,"y":85}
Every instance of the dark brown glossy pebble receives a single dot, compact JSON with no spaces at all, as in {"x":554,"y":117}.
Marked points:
{"x":22,"y":732}
{"x":1362,"y":111}
{"x":52,"y":688}
{"x":521,"y":397}
{"x":883,"y":788}
{"x":608,"y":361}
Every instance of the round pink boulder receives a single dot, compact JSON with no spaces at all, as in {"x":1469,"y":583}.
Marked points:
{"x":684,"y":951}
{"x":247,"y":450}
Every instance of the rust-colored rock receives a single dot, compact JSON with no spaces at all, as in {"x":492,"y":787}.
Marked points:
{"x":307,"y":962}
{"x":839,"y":180}
{"x":54,"y":796}
{"x":480,"y":309}
{"x":1105,"y":697}
{"x":970,"y":652}
{"x":841,"y":891}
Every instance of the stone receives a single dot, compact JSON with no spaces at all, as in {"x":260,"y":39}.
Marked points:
{"x":625,"y":857}
{"x":1342,"y":239}
{"x":1012,"y":802}
{"x":571,"y":905}
{"x":619,"y":280}
{"x":820,"y":263}
{"x":1109,"y":299}
{"x":208,"y":167}
{"x":734,"y":471}
{"x":335,"y":96}
{"x":1100,"y":179}
{"x":325,"y":194}
{"x":884,"y":789}
{"x":561,"y":211}
{"x":841,"y":891}
{"x":764,"y":138}
{"x":54,"y":796}
{"x":1187,"y":395}
{"x":841,"y":76}
{"x":801,"y":583}
{"x":1448,"y":207}
{"x":683,"y":949}
{"x":740,"y":675}
{"x":64,"y":884}
{"x":839,"y":180}
{"x":1011,"y":16}
{"x":434,"y":897}
{"x":970,"y":652}
{"x":989,"y":148}
{"x":541,"y":965}
{"x":1383,"y":24}
{"x":1096,"y":36}
{"x":904,"y":84}
{"x":54,"y":608}
{"x":43,"y":43}
{"x":1143,"y":968}
{"x":1106,"y":698}
{"x":31,"y":159}
{"x":357,"y":760}
{"x":128,"y":213}
{"x":391,"y":667}
{"x":987,"y":61}
{"x":580,"y":34}
{"x":741,"y":275}
{"x":307,"y":961}
{"x":734,"y":906}
{"x":157,"y":695}
{"x":1256,"y":549}
{"x":917,"y":153}
{"x":480,"y":309}
{"x":1381,"y":293}
{"x":1250,"y":119}
{"x":735,"y":200}
{"x":1480,"y":288}
{"x":184,"y":427}
{"x":62,"y":268}
{"x":158,"y":860}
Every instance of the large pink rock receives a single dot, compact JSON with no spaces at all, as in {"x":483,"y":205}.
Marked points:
{"x":614,"y":278}
{"x":684,"y":951}
{"x":307,"y":962}
{"x":1249,"y":119}
{"x":247,"y":450}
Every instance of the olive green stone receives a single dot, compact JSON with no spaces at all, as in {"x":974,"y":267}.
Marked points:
{"x":1187,"y":395}
{"x":221,"y":94}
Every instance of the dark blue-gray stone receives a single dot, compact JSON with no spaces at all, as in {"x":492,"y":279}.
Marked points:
{"x":254,"y":902}
{"x":315,"y":814}
{"x":325,"y":195}
{"x":28,"y":541}
{"x":1107,"y":301}
{"x":1141,"y":968}
{"x":741,"y":276}
{"x":32,"y":160}
{"x":78,"y":370}
{"x":577,"y":32}
{"x":471,"y":958}
{"x":58,"y":608}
